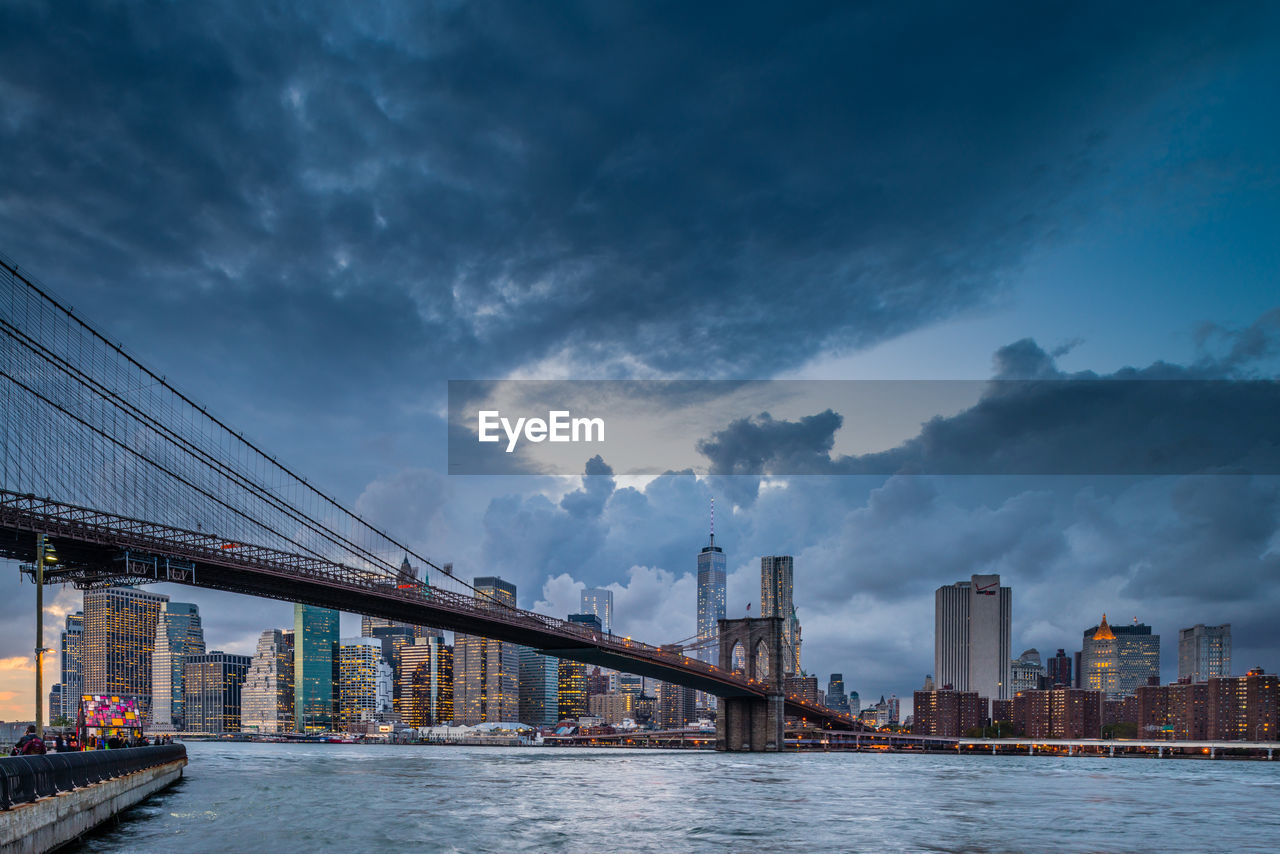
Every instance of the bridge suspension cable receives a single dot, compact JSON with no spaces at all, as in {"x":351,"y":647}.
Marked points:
{"x":84,"y":422}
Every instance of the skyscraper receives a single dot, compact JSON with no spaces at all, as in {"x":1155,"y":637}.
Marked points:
{"x":1025,"y":672}
{"x":486,"y":672}
{"x":1204,"y":652}
{"x":315,"y":668}
{"x":1118,"y":659}
{"x":972,"y":635}
{"x":571,"y":689}
{"x":599,"y":601}
{"x":776,"y":586}
{"x":572,"y":684}
{"x":836,"y":698}
{"x":629,"y":683}
{"x":364,"y":682}
{"x":213,"y":684}
{"x":119,"y":641}
{"x":1059,"y":670}
{"x":711,"y":596}
{"x":267,"y":699}
{"x":425,"y":687}
{"x":392,"y":638}
{"x":178,"y":634}
{"x":72,"y":661}
{"x":675,"y":707}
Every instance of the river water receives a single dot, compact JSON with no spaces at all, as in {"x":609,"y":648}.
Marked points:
{"x":284,"y":798}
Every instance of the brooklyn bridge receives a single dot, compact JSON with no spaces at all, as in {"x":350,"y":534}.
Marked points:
{"x":110,"y":475}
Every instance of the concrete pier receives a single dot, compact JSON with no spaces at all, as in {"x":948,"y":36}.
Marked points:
{"x":43,"y":825}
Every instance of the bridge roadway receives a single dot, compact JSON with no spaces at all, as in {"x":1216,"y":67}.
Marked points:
{"x":96,"y":549}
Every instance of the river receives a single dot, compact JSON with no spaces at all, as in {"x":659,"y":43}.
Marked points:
{"x":283,"y":798}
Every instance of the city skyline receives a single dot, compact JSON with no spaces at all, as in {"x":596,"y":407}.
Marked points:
{"x":1113,"y":663}
{"x":506,"y":592}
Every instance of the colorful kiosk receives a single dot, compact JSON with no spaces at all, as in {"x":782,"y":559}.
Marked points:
{"x":102,"y":717}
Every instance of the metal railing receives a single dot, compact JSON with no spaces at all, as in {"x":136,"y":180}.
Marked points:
{"x":24,"y":779}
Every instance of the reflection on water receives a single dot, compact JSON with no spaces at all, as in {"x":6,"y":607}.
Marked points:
{"x":286,"y":798}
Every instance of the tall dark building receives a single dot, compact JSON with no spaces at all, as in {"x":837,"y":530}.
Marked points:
{"x":777,"y":577}
{"x":1204,"y":652}
{"x":213,"y":683}
{"x":1058,"y":670}
{"x":591,"y":621}
{"x":675,"y":706}
{"x":836,"y":698}
{"x":574,"y":688}
{"x":539,"y":688}
{"x":486,"y":672}
{"x":711,"y":593}
{"x":424,"y":687}
{"x":72,"y":660}
{"x":178,"y":634}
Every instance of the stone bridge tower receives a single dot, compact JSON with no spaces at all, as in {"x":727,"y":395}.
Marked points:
{"x":752,"y":646}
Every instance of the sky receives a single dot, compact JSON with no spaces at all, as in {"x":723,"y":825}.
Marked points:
{"x":311,"y":219}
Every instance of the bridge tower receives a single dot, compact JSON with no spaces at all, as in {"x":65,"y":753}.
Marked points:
{"x":753,"y":724}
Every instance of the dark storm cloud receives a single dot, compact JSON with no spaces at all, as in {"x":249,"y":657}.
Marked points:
{"x":597,"y":485}
{"x":759,"y":444}
{"x":474,"y":187}
{"x":1035,"y":419}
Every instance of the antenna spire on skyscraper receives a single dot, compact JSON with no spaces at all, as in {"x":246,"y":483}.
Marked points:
{"x":713,"y":520}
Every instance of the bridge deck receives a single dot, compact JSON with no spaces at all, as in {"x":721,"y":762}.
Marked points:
{"x":92,"y":547}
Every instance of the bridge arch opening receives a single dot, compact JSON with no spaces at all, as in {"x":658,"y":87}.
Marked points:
{"x":738,"y":658}
{"x":762,"y":662}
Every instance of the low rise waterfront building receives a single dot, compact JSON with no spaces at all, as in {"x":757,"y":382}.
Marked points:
{"x":1059,"y":713}
{"x":947,"y":712}
{"x":1243,"y":708}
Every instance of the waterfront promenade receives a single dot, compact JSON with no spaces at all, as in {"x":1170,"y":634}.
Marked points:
{"x":48,"y":800}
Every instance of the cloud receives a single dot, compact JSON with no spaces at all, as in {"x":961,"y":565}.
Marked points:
{"x":1033,"y":419}
{"x":406,"y":502}
{"x":642,"y":606}
{"x":467,"y":189}
{"x":755,"y":445}
{"x":597,"y":485}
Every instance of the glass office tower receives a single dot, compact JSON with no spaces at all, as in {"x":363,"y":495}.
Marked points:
{"x":315,"y":667}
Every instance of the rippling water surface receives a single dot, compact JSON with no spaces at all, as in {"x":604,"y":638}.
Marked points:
{"x":283,"y":798}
